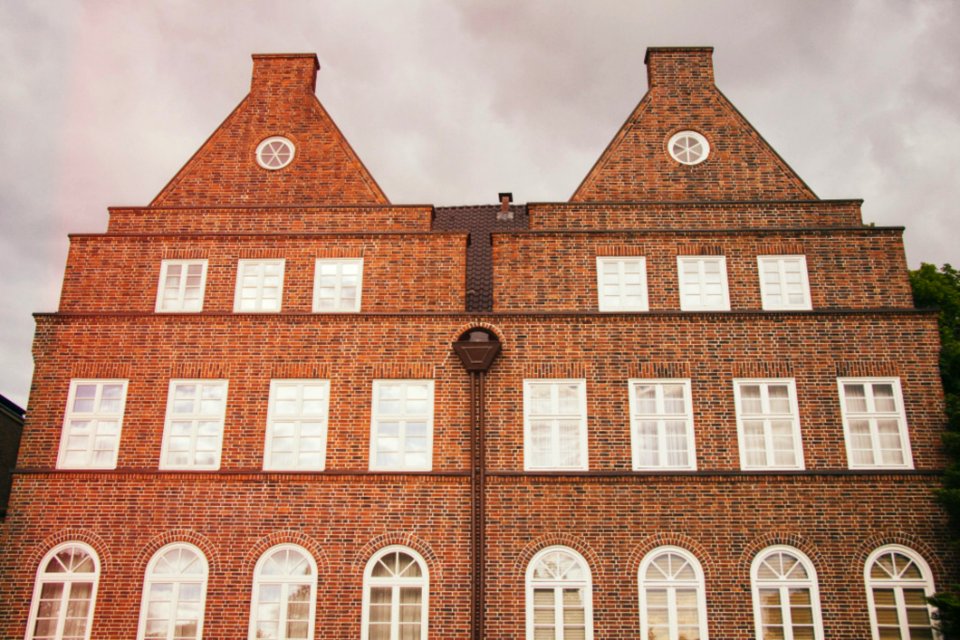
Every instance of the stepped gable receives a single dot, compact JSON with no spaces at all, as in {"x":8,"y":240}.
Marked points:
{"x":682,"y":96}
{"x":281,"y":102}
{"x":480,"y":221}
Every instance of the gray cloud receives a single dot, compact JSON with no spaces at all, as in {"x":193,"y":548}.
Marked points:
{"x":450,"y":102}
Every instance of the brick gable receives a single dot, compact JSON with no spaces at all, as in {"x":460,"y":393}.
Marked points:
{"x":281,"y":102}
{"x":682,"y":96}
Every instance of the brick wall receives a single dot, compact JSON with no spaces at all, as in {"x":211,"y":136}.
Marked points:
{"x":856,"y":268}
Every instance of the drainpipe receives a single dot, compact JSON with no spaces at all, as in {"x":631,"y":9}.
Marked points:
{"x":477,"y":349}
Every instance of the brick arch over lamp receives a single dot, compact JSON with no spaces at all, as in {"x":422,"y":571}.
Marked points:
{"x":468,"y":326}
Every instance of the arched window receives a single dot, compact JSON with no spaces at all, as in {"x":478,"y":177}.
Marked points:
{"x":559,"y":599}
{"x":64,"y":594}
{"x":395,"y":591}
{"x":786,"y":601}
{"x":898,"y":583}
{"x":284,"y":594}
{"x":174,"y":592}
{"x":672,"y":602}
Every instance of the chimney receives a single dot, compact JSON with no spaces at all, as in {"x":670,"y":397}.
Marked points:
{"x":284,"y":73}
{"x":505,"y":213}
{"x":680,"y":67}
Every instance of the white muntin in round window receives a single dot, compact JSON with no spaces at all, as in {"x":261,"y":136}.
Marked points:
{"x":275,"y":153}
{"x":688,"y":147}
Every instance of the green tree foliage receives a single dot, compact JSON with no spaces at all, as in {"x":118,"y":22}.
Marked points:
{"x":940,"y":288}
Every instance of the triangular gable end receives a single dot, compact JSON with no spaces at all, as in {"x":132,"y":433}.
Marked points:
{"x":324,"y":169}
{"x":637,"y":166}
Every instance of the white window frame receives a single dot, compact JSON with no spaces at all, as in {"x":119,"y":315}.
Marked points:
{"x":620,"y":262}
{"x":68,"y":580}
{"x":898,"y":585}
{"x":193,"y":418}
{"x":242,"y":265}
{"x":528,"y":417}
{"x":178,"y":581}
{"x":395,"y":583}
{"x":558,"y":586}
{"x":355,"y":307}
{"x":273,"y":417}
{"x":763,"y":262}
{"x":784,"y":586}
{"x":285,"y":582}
{"x":872,"y":416}
{"x":701,"y":261}
{"x":767,"y":417}
{"x":181,"y":296}
{"x":636,"y":417}
{"x":375,"y":418}
{"x":671,"y":585}
{"x":94,"y":418}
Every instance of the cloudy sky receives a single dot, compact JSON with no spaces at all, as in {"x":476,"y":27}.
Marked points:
{"x":449,"y":102}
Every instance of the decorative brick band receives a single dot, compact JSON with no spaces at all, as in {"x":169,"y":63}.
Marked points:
{"x":199,"y":370}
{"x":265,"y":253}
{"x":173,"y":536}
{"x":867,"y":368}
{"x":555,"y":370}
{"x":403,"y":538}
{"x":697,"y":249}
{"x":562,"y":540}
{"x":779,"y":369}
{"x":286,"y":536}
{"x":340,"y":252}
{"x":859,"y":558}
{"x":672,"y":539}
{"x":659,"y":370}
{"x":306,"y":370}
{"x":413,"y":371}
{"x":637,"y":249}
{"x":781,"y":249}
{"x":772,"y":538}
{"x":177,"y":252}
{"x":35,"y":555}
{"x":84,"y":369}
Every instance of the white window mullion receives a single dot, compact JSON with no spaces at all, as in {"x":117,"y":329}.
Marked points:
{"x":558,"y":612}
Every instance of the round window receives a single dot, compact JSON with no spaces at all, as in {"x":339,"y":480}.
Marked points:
{"x":688,"y":147}
{"x":275,"y":153}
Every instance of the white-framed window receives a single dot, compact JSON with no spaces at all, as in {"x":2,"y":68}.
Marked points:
{"x":259,"y":286}
{"x":559,"y":596}
{"x":622,"y":284}
{"x":396,"y":590}
{"x":786,"y":599}
{"x":182,"y":285}
{"x":874,"y":423}
{"x":64,"y":594}
{"x":672,"y":601}
{"x":284,"y":594}
{"x":783,"y":282}
{"x":174,"y":594}
{"x":275,"y":152}
{"x":337,"y":285}
{"x":899,"y":581}
{"x":297,"y":425}
{"x":401,"y":430}
{"x":193,"y":430}
{"x":688,"y":147}
{"x":554,"y":424}
{"x":703,"y":283}
{"x":768,"y":424}
{"x":92,"y":424}
{"x":661,"y":424}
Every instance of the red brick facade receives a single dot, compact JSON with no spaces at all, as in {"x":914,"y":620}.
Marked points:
{"x":742,"y":202}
